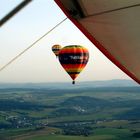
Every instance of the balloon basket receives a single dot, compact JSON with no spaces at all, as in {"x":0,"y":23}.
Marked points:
{"x":73,"y":82}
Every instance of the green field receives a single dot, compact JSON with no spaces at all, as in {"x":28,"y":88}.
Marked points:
{"x":70,"y":114}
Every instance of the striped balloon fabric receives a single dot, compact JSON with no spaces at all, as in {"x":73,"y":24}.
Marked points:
{"x":56,"y":48}
{"x":73,"y":59}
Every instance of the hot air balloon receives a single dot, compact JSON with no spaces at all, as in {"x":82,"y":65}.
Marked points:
{"x":73,"y":59}
{"x":56,"y":48}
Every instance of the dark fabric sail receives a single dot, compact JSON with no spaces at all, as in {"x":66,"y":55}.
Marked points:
{"x":113,"y":26}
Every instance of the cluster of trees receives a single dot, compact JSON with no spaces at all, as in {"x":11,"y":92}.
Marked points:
{"x":8,"y":105}
{"x":5,"y":125}
{"x":78,"y":130}
{"x":136,"y":135}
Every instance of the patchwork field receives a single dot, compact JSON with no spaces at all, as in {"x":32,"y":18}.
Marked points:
{"x":99,"y":113}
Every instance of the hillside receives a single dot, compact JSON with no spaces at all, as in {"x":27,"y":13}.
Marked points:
{"x":62,"y":85}
{"x":53,"y":110}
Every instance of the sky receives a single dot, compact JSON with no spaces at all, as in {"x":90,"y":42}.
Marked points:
{"x":39,"y":64}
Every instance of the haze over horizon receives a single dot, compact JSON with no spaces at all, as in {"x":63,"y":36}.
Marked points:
{"x":69,"y":85}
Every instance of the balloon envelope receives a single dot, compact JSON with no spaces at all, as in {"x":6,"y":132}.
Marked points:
{"x":56,"y":48}
{"x":73,"y":59}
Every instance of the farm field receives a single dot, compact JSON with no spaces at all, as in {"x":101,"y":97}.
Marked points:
{"x":58,"y":113}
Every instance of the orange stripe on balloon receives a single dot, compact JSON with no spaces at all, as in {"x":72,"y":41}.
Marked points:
{"x":73,"y":50}
{"x":74,"y":66}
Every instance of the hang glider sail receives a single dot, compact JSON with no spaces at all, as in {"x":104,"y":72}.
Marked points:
{"x":113,"y":26}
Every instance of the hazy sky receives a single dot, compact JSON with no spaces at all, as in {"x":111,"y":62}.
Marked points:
{"x":39,"y":64}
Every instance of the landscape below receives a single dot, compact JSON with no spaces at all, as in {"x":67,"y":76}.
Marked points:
{"x":102,"y":110}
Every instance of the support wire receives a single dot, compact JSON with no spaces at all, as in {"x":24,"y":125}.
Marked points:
{"x":16,"y":57}
{"x":113,"y":10}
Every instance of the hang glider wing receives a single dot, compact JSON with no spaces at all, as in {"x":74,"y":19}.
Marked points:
{"x":113,"y":26}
